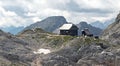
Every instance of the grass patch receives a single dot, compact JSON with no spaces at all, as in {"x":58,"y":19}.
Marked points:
{"x":67,"y":38}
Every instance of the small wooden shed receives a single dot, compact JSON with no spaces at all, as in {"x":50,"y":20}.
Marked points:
{"x":69,"y":29}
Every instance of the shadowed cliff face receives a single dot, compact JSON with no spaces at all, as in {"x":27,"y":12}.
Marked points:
{"x":112,"y":33}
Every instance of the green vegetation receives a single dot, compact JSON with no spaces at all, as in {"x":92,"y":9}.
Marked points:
{"x":56,"y":41}
{"x":17,"y":64}
{"x":13,"y":64}
{"x":67,"y":38}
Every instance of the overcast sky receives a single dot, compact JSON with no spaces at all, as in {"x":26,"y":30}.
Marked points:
{"x":25,"y":12}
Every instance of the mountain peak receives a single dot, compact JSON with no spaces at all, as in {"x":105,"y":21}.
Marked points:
{"x":102,"y":25}
{"x":83,"y":23}
{"x":55,"y":18}
{"x":49,"y":24}
{"x":93,"y":30}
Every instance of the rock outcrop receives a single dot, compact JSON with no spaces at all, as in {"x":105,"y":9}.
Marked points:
{"x":112,"y":33}
{"x":13,"y":51}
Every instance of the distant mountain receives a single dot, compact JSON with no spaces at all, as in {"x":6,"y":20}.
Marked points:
{"x":112,"y":32}
{"x":49,"y":24}
{"x":98,"y":24}
{"x":12,"y":29}
{"x":93,"y":30}
{"x":102,"y":25}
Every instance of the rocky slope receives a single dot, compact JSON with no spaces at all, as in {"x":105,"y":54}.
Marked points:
{"x":13,"y":51}
{"x":112,"y":33}
{"x":37,"y":47}
{"x":49,"y":24}
{"x":70,"y":51}
{"x":93,"y":30}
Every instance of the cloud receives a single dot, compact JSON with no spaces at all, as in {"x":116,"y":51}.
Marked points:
{"x":10,"y":18}
{"x":24,"y":12}
{"x":17,"y":9}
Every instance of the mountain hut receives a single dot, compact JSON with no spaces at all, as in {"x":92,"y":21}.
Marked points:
{"x":69,"y":29}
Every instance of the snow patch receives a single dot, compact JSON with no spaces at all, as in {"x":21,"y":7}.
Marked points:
{"x":107,"y":53}
{"x":42,"y":51}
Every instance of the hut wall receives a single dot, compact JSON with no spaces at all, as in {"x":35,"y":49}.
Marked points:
{"x":69,"y":32}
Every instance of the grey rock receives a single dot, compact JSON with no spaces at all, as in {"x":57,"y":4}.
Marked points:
{"x":112,"y":33}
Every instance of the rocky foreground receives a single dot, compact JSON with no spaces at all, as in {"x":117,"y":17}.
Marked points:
{"x":40,"y":48}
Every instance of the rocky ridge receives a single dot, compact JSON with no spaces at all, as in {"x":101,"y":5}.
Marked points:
{"x":112,"y":33}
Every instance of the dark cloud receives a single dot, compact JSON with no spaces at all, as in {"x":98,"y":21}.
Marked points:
{"x":72,"y":10}
{"x":73,"y":6}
